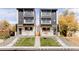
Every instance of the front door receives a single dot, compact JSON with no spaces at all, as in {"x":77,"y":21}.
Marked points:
{"x":20,"y":30}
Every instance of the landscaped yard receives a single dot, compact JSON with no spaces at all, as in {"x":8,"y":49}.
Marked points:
{"x":49,"y":42}
{"x":26,"y":41}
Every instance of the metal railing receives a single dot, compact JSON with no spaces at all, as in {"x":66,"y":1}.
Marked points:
{"x":28,"y":14}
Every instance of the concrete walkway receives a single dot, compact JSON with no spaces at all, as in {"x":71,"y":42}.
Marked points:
{"x":37,"y":41}
{"x":13,"y":42}
{"x":16,"y":38}
{"x":61,"y":42}
{"x":7,"y":41}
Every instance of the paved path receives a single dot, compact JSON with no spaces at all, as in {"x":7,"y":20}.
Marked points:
{"x":61,"y":42}
{"x":13,"y":42}
{"x":7,"y":41}
{"x":16,"y":38}
{"x":10,"y":41}
{"x":37,"y":41}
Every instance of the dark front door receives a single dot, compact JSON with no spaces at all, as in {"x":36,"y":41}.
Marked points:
{"x":20,"y":30}
{"x":54,"y":31}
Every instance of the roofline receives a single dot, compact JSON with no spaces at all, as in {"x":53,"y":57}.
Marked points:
{"x":24,"y":8}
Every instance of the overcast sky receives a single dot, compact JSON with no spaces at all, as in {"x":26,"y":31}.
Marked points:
{"x":10,"y":14}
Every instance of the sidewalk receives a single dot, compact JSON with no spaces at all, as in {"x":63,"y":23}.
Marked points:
{"x":37,"y":41}
{"x":13,"y":42}
{"x":15,"y":39}
{"x":61,"y":42}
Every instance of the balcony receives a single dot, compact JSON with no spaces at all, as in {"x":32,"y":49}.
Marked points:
{"x":45,"y":14}
{"x":29,"y":21}
{"x":28,"y":13}
{"x":45,"y":21}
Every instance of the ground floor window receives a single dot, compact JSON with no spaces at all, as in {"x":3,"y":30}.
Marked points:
{"x":29,"y":28}
{"x":46,"y":29}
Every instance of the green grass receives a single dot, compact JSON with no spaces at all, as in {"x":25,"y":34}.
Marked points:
{"x":25,"y":42}
{"x":49,"y":42}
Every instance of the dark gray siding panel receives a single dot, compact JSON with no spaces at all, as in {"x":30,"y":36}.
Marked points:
{"x":20,"y":17}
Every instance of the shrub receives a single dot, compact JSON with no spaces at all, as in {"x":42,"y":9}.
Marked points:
{"x":4,"y":34}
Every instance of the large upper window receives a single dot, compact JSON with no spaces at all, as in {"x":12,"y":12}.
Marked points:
{"x":28,"y":13}
{"x":46,"y":20}
{"x":46,"y":12}
{"x":28,"y":19}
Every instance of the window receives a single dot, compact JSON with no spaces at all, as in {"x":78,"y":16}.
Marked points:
{"x":46,"y":13}
{"x":29,"y":28}
{"x":26,"y":28}
{"x":46,"y":20}
{"x":46,"y":29}
{"x":28,"y":19}
{"x":28,"y":13}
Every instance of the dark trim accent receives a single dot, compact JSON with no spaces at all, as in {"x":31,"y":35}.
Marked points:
{"x":46,"y":25}
{"x":27,"y":24}
{"x":28,"y":9}
{"x":49,"y":10}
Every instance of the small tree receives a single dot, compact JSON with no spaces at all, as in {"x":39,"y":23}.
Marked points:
{"x":67,"y":22}
{"x":4,"y":29}
{"x":5,"y":24}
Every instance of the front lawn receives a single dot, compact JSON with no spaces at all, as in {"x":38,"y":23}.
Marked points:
{"x":26,"y":41}
{"x":49,"y":42}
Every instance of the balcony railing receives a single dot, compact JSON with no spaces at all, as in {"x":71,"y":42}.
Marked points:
{"x":29,"y":14}
{"x":28,"y":21}
{"x":45,"y":22}
{"x":45,"y":14}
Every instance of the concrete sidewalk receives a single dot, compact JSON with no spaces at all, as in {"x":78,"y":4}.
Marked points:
{"x":61,"y":42}
{"x":13,"y":42}
{"x":37,"y":41}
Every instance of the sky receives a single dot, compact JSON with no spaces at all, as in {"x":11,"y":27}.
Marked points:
{"x":10,"y":14}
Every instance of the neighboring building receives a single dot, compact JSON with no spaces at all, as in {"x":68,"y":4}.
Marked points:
{"x":48,"y":23}
{"x":26,"y":21}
